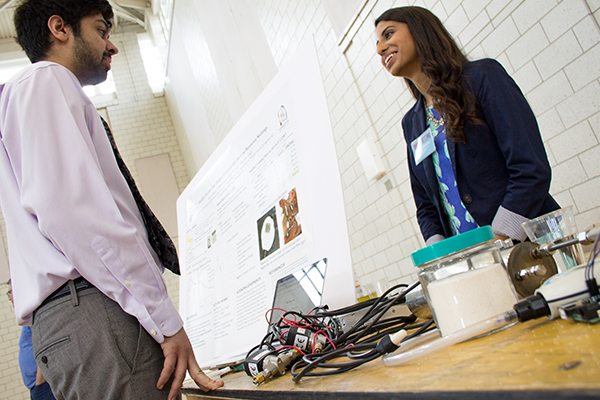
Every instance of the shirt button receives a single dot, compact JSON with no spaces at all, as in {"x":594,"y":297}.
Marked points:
{"x":467,"y":199}
{"x":153,"y":332}
{"x":127,"y":283}
{"x":44,"y":360}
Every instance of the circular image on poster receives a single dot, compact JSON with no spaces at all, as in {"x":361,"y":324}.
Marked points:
{"x":268,"y":233}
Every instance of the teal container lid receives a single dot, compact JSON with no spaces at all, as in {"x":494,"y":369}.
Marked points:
{"x":452,"y":244}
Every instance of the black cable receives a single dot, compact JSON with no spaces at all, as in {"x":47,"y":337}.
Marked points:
{"x":335,"y":353}
{"x":375,"y":313}
{"x":384,"y":310}
{"x":366,"y":340}
{"x":366,"y":357}
{"x":375,"y":319}
{"x":360,"y":359}
{"x":384,"y":346}
{"x":348,"y":309}
{"x":422,"y":329}
{"x":320,"y":362}
{"x":382,"y":329}
{"x":368,"y":315}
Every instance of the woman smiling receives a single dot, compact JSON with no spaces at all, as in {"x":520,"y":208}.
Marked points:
{"x":475,"y":153}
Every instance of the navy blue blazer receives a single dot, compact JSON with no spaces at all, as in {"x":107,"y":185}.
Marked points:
{"x":503,"y":163}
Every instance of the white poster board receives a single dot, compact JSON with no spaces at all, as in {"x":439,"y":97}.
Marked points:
{"x":266,"y":203}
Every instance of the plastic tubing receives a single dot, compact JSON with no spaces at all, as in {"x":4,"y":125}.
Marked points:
{"x":416,"y":341}
{"x":392,"y":360}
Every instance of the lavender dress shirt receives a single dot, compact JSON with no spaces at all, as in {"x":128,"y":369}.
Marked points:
{"x":69,"y":212}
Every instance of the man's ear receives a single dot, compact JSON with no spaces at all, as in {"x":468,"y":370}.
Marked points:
{"x":58,"y":28}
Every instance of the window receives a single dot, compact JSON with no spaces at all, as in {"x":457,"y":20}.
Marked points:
{"x":152,"y":63}
{"x":103,"y":94}
{"x":166,"y":13}
{"x":10,"y":67}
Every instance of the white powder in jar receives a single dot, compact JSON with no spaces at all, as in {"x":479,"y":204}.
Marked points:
{"x":464,"y":299}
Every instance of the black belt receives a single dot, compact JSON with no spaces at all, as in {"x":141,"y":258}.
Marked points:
{"x":80,"y":284}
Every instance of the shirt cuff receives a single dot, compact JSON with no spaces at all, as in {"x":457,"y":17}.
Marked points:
{"x":434,"y":239}
{"x":508,"y":223}
{"x":165,"y":321}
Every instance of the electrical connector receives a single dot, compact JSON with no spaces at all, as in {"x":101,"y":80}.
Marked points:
{"x":390,"y":343}
{"x":320,"y":342}
{"x":255,"y":360}
{"x":270,"y":368}
{"x":587,"y":310}
{"x":275,"y":365}
{"x":532,"y":307}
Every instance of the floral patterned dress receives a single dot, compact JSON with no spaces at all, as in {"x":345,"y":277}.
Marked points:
{"x":456,"y":212}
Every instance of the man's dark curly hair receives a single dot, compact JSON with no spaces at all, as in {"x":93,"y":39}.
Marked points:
{"x":442,"y":62}
{"x":31,"y":21}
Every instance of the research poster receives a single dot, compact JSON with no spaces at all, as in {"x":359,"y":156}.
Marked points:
{"x":267,"y":203}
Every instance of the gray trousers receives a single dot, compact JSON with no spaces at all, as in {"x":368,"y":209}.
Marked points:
{"x":87,"y":347}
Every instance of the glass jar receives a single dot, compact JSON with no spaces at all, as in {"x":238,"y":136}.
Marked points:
{"x":464,"y":280}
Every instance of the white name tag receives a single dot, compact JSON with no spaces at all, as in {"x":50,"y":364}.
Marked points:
{"x":423,"y":146}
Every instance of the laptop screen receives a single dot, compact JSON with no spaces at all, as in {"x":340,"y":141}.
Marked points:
{"x":300,"y":291}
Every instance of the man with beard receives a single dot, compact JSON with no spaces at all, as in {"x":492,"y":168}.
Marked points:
{"x":86,"y":254}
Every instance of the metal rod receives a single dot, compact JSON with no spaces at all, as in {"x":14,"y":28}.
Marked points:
{"x":549,"y":248}
{"x":556,"y":246}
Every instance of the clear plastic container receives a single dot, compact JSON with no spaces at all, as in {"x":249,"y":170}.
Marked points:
{"x":464,"y":280}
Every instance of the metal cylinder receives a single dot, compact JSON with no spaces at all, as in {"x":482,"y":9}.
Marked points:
{"x":417,"y":303}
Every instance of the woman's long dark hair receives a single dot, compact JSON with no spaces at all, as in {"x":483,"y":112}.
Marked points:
{"x":442,"y":62}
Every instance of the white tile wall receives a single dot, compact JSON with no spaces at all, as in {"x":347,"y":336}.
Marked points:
{"x":587,"y":32}
{"x":585,"y":69}
{"x":530,"y":12}
{"x":527,"y":46}
{"x":549,"y":93}
{"x":11,"y":385}
{"x":527,"y":77}
{"x":563,"y":18}
{"x":580,"y":105}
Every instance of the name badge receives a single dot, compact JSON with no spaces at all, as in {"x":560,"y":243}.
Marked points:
{"x":423,"y":146}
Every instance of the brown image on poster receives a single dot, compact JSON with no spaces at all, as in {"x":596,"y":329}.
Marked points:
{"x":291,"y":220}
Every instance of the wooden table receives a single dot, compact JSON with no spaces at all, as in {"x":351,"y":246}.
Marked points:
{"x":538,"y":359}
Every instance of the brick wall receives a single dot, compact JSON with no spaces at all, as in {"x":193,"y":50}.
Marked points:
{"x":11,"y":385}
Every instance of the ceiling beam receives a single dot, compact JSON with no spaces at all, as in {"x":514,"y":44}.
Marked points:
{"x":5,"y":4}
{"x":123,"y":13}
{"x":141,"y":4}
{"x":10,"y":50}
{"x":7,"y":45}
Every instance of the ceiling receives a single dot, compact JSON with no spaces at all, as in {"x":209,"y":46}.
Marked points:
{"x":129,"y":15}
